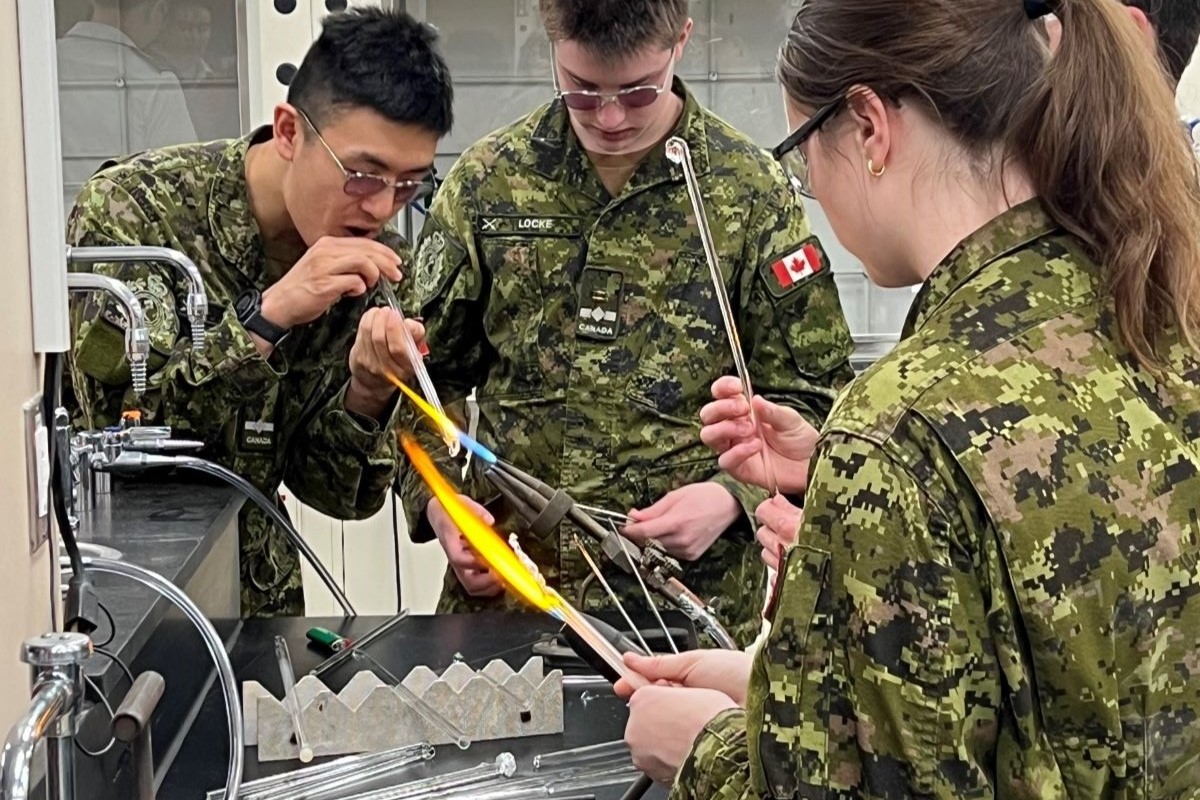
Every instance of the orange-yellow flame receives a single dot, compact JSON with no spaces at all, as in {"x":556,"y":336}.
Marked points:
{"x":445,"y":426}
{"x":491,"y":549}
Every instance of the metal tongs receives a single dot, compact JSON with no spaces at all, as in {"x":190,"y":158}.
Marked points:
{"x":544,"y":508}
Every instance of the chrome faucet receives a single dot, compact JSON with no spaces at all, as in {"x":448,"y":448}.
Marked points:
{"x":91,"y":451}
{"x":137,"y":337}
{"x":197,"y":299}
{"x":57,"y":661}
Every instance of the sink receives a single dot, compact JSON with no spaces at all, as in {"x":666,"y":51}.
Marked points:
{"x":90,"y":550}
{"x":86,"y":550}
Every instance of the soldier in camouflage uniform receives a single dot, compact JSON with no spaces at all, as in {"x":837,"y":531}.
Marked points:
{"x":995,"y":590}
{"x":562,"y":273}
{"x":289,"y":237}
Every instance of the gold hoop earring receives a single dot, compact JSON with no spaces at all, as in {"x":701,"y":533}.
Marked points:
{"x":871,"y":169}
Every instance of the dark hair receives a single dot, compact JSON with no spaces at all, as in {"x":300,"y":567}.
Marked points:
{"x":1177,"y":24}
{"x":383,"y":60}
{"x":1094,"y":125}
{"x":614,"y":28}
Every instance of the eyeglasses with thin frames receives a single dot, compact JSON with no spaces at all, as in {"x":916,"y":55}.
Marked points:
{"x":631,"y":97}
{"x":790,"y":152}
{"x":362,"y":184}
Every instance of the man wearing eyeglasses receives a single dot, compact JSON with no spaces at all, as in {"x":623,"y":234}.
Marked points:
{"x":290,"y":229}
{"x":561,"y":272}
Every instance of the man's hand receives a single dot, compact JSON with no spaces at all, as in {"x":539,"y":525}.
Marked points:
{"x":726,"y":671}
{"x":729,"y":430}
{"x":687,"y":520}
{"x":379,"y":352}
{"x":664,"y":722}
{"x":779,"y":521}
{"x":333,"y":268}
{"x":472,"y":573}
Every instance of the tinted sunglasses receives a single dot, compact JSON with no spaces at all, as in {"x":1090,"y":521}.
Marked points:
{"x":632,"y":97}
{"x":363,"y":184}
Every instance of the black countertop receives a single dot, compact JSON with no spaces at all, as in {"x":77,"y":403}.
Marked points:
{"x":186,"y":531}
{"x":169,"y":527}
{"x":590,"y":716}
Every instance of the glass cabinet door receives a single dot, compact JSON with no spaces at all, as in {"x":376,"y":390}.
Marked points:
{"x":136,"y":74}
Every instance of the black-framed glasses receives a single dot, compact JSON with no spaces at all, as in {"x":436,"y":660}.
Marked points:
{"x":363,"y":184}
{"x":631,"y":97}
{"x":790,"y":152}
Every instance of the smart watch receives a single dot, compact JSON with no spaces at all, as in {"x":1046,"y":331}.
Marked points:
{"x":248,"y":308}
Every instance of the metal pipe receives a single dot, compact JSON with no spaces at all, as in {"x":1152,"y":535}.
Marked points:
{"x":60,"y":765}
{"x":216,"y":650}
{"x":57,"y":662}
{"x":49,"y":701}
{"x":137,"y":337}
{"x":197,"y":299}
{"x":678,"y":153}
{"x":131,"y":724}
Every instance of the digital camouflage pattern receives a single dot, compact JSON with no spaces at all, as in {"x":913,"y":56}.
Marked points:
{"x":268,"y":421}
{"x":996,"y":590}
{"x":590,"y":326}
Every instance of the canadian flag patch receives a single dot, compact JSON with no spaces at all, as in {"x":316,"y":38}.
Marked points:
{"x":793,"y":268}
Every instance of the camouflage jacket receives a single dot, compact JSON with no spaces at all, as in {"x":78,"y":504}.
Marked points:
{"x":996,"y":589}
{"x":590,"y":326}
{"x":268,"y":420}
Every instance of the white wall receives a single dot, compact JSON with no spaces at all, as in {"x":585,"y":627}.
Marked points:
{"x":25,"y":590}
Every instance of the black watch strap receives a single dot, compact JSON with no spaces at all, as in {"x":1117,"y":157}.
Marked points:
{"x":249,"y":313}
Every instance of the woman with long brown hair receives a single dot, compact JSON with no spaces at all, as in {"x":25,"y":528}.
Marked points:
{"x":995,"y":588}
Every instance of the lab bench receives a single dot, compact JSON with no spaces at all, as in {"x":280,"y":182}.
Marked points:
{"x":187,"y":531}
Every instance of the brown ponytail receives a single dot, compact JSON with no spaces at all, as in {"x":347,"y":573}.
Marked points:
{"x":1094,"y":125}
{"x":1101,"y":139}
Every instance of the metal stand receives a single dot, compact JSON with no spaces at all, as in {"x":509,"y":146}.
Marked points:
{"x":57,"y":661}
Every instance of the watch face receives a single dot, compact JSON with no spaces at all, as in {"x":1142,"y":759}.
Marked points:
{"x":246,"y":304}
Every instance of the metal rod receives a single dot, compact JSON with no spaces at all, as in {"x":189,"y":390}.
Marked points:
{"x":291,"y":699}
{"x":357,"y":644}
{"x":637,"y":573}
{"x":60,"y":767}
{"x":678,"y":152}
{"x":587,"y":556}
{"x":615,"y":516}
{"x":418,"y":367}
